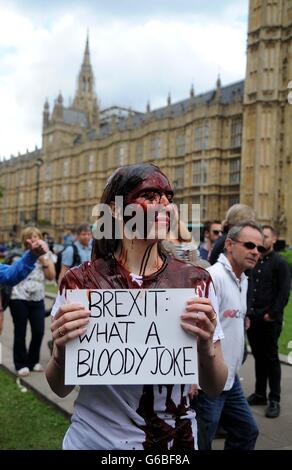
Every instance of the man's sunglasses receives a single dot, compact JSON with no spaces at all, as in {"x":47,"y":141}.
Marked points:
{"x":251,"y":246}
{"x":217,"y":232}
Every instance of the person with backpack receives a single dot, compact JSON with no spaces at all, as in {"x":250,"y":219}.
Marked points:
{"x":78,"y":252}
{"x":73,"y":254}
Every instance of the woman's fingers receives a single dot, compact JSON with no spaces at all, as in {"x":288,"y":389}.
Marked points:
{"x":199,"y":318}
{"x":205,"y":335}
{"x":59,"y":331}
{"x":201,"y":305}
{"x":68,"y":308}
{"x":70,"y":316}
{"x":70,"y":321}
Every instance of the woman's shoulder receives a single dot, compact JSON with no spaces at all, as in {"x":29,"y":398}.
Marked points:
{"x":181,"y":266}
{"x":86,"y":276}
{"x":182,"y":275}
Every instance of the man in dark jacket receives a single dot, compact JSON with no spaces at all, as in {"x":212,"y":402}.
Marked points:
{"x":235,"y":215}
{"x":271,"y":282}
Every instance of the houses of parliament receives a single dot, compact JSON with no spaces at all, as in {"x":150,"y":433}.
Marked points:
{"x":231,"y":144}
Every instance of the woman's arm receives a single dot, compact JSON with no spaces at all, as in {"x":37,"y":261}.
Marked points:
{"x":48,"y":266}
{"x":16,"y":272}
{"x":70,"y":321}
{"x":212,"y":369}
{"x":200,"y":319}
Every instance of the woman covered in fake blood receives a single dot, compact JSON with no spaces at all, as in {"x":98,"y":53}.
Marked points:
{"x":137,"y":417}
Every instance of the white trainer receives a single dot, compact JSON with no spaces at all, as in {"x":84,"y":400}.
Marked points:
{"x":23,"y":372}
{"x":38,"y":368}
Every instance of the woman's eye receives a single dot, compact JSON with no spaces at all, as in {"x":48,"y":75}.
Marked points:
{"x":150,"y":196}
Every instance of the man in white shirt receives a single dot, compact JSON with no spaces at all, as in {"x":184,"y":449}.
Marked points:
{"x":243,"y":245}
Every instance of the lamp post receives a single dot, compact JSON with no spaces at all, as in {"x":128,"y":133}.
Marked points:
{"x":38,"y":164}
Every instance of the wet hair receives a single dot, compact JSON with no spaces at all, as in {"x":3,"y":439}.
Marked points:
{"x":121,"y":183}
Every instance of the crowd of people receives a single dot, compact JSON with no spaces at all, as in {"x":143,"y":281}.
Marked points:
{"x":243,"y":287}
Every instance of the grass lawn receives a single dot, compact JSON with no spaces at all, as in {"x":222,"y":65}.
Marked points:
{"x":51,"y":288}
{"x":286,"y":334}
{"x":27,"y":423}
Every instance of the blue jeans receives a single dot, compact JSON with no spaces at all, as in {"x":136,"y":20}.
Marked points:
{"x":233,"y":412}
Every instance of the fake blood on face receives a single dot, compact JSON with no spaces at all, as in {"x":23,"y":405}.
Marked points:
{"x":154,"y":195}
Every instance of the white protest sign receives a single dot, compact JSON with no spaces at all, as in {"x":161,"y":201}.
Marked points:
{"x":133,"y":337}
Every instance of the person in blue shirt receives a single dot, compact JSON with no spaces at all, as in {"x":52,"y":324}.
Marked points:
{"x":13,"y":274}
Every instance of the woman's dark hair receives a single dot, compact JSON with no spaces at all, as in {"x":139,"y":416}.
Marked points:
{"x":120,"y":183}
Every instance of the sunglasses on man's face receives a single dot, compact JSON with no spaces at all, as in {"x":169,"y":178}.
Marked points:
{"x":216,"y":232}
{"x":251,"y":246}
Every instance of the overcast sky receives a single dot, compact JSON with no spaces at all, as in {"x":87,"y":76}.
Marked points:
{"x":140,"y":50}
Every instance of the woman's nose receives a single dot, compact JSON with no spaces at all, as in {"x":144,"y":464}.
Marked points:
{"x":164,"y":200}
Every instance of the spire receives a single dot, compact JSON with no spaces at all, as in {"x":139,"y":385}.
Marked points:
{"x":57,"y":114}
{"x":85,"y":84}
{"x":129,"y":118}
{"x":46,"y":114}
{"x":85,"y":97}
{"x":217,"y":95}
{"x":192,"y":91}
{"x":86,"y":57}
{"x":60,"y":99}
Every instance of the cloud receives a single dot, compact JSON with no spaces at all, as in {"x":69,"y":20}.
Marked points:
{"x":134,"y":58}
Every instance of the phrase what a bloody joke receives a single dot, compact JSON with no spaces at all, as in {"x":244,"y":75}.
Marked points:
{"x":134,"y":336}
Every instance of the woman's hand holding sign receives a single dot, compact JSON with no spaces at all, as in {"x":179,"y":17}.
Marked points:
{"x":199,"y":318}
{"x":70,"y":321}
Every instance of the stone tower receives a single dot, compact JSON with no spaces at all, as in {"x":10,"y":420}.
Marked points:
{"x":267,"y":142}
{"x":85,"y":98}
{"x":65,"y":124}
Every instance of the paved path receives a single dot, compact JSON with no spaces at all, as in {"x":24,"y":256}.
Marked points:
{"x":274,"y":433}
{"x":36,"y":380}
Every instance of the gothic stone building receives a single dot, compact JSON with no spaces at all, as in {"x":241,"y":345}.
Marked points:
{"x":228,"y":145}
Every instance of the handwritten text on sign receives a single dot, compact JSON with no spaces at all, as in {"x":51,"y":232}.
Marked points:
{"x":134,"y":337}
